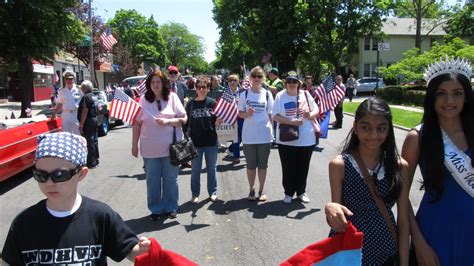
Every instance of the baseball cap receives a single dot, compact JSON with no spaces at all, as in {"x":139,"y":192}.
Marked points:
{"x":274,"y":71}
{"x":173,"y":68}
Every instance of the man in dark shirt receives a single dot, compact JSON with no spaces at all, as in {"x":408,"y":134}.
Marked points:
{"x":87,"y":116}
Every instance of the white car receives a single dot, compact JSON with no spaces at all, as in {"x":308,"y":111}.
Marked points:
{"x":369,"y":84}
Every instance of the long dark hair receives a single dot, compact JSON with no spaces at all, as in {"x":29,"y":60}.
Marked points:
{"x":389,"y":155}
{"x":165,"y":89}
{"x":431,"y":144}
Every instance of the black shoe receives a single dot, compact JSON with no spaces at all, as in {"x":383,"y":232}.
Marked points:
{"x":172,"y":215}
{"x":92,"y":166}
{"x":153,"y":217}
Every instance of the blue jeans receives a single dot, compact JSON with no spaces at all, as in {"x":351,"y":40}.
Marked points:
{"x":162,"y":185}
{"x":210,"y":152}
{"x":235,"y":147}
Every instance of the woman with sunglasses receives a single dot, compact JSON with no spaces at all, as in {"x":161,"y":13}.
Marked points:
{"x":153,"y":128}
{"x":201,"y":127}
{"x":294,"y":106}
{"x":255,"y":107}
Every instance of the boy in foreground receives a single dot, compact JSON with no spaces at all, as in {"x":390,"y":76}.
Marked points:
{"x":67,"y":228}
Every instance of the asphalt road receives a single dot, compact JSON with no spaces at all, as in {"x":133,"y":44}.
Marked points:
{"x":231,"y":231}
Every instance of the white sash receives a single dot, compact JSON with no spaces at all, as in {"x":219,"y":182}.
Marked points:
{"x":458,"y":164}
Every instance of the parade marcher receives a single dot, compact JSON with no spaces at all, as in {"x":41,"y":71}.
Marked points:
{"x":201,"y":127}
{"x":161,"y":113}
{"x":351,"y":81}
{"x":234,"y":148}
{"x":443,"y":146}
{"x":87,"y":116}
{"x":338,"y":111}
{"x":354,"y":195}
{"x":255,"y":107}
{"x":308,"y":83}
{"x":274,"y":83}
{"x":67,"y":103}
{"x":294,"y":106}
{"x":67,"y":228}
{"x":215,"y":84}
{"x":176,"y":86}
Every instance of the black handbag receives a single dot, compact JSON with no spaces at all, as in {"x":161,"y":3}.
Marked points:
{"x":290,"y":132}
{"x":182,"y":151}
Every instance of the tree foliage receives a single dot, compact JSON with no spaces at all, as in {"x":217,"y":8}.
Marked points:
{"x":461,"y":24}
{"x":34,"y":30}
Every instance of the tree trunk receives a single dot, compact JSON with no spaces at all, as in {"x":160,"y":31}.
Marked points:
{"x":418,"y":26}
{"x":26,"y":85}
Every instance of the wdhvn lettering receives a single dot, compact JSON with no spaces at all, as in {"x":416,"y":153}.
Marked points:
{"x":62,"y":255}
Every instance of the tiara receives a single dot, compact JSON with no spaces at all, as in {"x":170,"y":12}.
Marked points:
{"x":455,"y":65}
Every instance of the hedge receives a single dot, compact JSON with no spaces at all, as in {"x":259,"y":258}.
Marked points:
{"x":402,"y":95}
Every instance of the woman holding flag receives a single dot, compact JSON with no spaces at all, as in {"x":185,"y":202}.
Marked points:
{"x":236,"y":90}
{"x":161,"y":112}
{"x":295,"y":106}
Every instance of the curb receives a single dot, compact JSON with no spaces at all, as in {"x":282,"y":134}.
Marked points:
{"x":395,"y":126}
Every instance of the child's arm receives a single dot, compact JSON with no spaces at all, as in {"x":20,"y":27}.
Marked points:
{"x":410,"y":152}
{"x":402,"y":216}
{"x":140,"y":248}
{"x":335,"y":211}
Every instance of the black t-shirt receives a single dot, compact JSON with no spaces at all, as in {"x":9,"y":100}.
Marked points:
{"x":86,"y":237}
{"x":202,"y":121}
{"x":87,"y":101}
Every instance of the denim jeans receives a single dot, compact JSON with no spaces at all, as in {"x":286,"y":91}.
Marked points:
{"x":162,"y":185}
{"x":210,"y":152}
{"x":235,"y":146}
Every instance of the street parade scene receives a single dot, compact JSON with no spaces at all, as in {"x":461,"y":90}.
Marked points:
{"x":322,"y":132}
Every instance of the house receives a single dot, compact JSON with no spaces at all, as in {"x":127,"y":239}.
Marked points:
{"x":399,"y":37}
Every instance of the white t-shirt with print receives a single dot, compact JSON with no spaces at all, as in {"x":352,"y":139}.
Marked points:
{"x":257,"y":129}
{"x":285,"y":106}
{"x":70,"y":98}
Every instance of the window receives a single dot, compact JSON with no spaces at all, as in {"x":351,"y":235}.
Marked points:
{"x":375,"y":45}
{"x":374,"y":69}
{"x":367,"y":44}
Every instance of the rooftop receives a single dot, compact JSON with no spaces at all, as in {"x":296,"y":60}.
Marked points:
{"x":407,"y":26}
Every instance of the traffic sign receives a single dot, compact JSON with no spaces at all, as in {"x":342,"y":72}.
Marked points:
{"x":384,"y":46}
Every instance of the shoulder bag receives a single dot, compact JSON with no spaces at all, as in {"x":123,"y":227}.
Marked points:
{"x":290,"y":132}
{"x":184,"y":150}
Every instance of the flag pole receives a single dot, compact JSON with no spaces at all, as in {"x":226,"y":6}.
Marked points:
{"x":91,"y":61}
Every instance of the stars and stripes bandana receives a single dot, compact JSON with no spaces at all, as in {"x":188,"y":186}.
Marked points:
{"x":64,"y":145}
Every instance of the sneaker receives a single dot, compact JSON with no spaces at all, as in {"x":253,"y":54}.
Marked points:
{"x":213,"y":197}
{"x":262,"y":196}
{"x":172,"y":215}
{"x":153,"y":217}
{"x":194,"y":200}
{"x":303,"y":198}
{"x":287,"y":199}
{"x":251,"y":196}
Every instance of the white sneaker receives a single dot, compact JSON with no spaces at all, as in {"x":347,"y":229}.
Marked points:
{"x":194,"y":200}
{"x":287,"y":199}
{"x":304,"y":198}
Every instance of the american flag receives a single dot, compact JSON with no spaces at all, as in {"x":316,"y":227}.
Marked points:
{"x":290,"y":108}
{"x":124,"y":107}
{"x":226,"y":107}
{"x":329,"y":94}
{"x":108,"y":40}
{"x":142,"y":86}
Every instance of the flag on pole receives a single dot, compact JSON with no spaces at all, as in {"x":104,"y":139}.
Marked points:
{"x":226,"y":107}
{"x":339,"y":250}
{"x":108,"y":40}
{"x":142,"y":86}
{"x":123,"y":107}
{"x":329,"y":94}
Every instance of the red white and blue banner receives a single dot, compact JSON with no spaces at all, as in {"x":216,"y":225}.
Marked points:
{"x":339,"y":250}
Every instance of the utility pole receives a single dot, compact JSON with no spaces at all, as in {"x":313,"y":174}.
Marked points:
{"x":91,"y":62}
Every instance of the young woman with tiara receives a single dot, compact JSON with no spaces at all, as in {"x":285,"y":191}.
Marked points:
{"x":442,"y":232}
{"x":366,"y":180}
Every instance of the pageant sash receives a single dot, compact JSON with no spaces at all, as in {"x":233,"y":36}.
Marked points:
{"x":458,"y":164}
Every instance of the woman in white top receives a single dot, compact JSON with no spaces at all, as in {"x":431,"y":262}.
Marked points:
{"x":294,"y":106}
{"x":255,"y":107}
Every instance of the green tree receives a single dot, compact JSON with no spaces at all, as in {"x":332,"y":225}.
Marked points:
{"x":35,"y":30}
{"x":461,"y":24}
{"x":184,"y":48}
{"x":141,"y":37}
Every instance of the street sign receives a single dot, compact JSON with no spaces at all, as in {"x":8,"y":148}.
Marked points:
{"x":384,"y":46}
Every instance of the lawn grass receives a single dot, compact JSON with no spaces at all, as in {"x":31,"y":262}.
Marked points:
{"x":401,"y":117}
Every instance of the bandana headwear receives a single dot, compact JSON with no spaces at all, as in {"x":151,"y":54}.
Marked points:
{"x":64,"y":145}
{"x":455,"y":65}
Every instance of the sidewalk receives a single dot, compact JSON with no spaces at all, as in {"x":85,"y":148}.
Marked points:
{"x":6,"y":109}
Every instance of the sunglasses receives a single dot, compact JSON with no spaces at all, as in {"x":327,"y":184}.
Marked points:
{"x":159,"y":105}
{"x":257,"y":76}
{"x":173,"y":72}
{"x":291,"y":81}
{"x":57,"y":176}
{"x":69,"y":78}
{"x":201,"y":87}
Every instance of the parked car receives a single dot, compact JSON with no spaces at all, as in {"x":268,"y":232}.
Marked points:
{"x":18,"y":142}
{"x":134,"y":81}
{"x":369,"y":84}
{"x":103,"y":123}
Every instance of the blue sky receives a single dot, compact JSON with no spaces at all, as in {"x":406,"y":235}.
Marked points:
{"x":195,"y":14}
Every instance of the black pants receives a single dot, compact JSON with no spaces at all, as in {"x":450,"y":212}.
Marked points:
{"x":91,"y":135}
{"x":295,"y":166}
{"x":350,"y":93}
{"x":339,"y":115}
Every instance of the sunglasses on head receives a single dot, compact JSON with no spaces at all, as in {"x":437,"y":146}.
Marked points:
{"x":173,"y":72}
{"x":57,"y":176}
{"x":201,"y":87}
{"x":256,"y":76}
